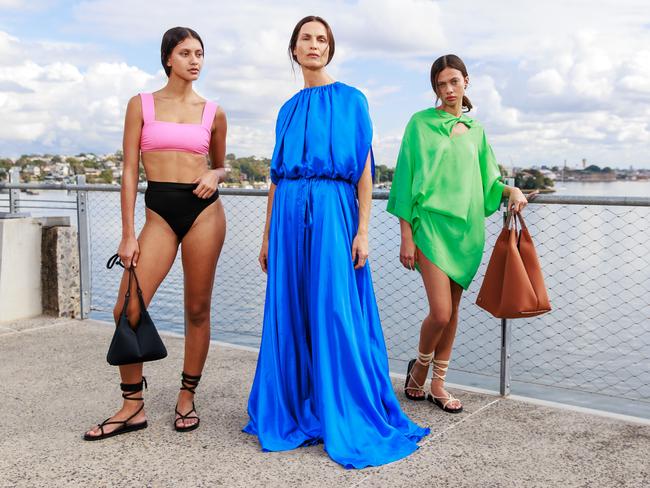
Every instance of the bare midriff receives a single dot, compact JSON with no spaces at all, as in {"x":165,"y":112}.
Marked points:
{"x":173,"y":166}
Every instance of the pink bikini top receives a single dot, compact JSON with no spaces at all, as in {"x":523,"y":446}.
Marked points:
{"x":158,"y":135}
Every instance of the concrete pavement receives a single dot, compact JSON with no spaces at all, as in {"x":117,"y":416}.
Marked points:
{"x":55,"y":383}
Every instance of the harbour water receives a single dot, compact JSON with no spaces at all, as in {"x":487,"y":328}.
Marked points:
{"x":595,"y":261}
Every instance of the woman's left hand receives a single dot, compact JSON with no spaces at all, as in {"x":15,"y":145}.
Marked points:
{"x":360,"y":250}
{"x":207,"y":184}
{"x":517,"y":200}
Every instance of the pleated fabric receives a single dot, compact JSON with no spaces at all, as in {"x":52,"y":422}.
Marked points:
{"x":322,"y":372}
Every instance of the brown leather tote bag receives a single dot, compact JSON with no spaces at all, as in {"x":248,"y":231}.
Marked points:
{"x":513,"y":286}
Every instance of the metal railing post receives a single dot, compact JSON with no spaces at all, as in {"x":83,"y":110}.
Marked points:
{"x":504,"y":377}
{"x":83,"y":229}
{"x":14,"y":193}
{"x":506,"y":334}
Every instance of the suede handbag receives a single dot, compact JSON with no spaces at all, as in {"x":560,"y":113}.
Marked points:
{"x":134,"y":344}
{"x":513,"y":286}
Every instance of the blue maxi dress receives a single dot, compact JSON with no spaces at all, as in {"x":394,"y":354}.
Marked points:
{"x":322,"y":371}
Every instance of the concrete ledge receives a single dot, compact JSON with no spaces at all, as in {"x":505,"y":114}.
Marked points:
{"x":57,"y":383}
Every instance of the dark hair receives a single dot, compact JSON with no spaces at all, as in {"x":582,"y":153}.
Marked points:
{"x":296,"y":30}
{"x":448,"y":61}
{"x":171,"y":39}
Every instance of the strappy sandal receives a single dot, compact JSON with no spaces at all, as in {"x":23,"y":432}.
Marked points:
{"x":128,"y":389}
{"x":442,"y":402}
{"x":188,"y":383}
{"x":423,"y":360}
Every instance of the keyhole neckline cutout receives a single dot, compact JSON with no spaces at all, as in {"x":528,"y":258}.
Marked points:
{"x":454,"y":120}
{"x":459,"y":133}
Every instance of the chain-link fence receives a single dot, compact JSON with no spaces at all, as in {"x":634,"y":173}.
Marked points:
{"x":593,"y":349}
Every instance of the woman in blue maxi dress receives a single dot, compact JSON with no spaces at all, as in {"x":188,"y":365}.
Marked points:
{"x":322,"y":372}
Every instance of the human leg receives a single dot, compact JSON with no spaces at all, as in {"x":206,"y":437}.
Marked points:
{"x":158,"y":246}
{"x":200,"y":252}
{"x":438,"y":289}
{"x":438,"y":331}
{"x":442,"y":356}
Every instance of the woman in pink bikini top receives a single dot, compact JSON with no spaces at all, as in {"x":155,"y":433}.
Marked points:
{"x":181,"y":139}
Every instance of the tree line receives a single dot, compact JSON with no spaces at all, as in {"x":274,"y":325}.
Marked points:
{"x":241,"y":170}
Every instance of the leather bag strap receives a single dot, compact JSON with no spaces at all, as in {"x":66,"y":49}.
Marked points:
{"x":115,"y":260}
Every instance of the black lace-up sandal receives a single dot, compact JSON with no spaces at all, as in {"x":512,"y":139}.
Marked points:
{"x":188,"y":383}
{"x":423,"y":360}
{"x":129,"y":390}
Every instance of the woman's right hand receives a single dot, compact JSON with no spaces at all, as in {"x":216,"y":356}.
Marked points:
{"x":264,"y":252}
{"x":408,"y":253}
{"x":129,"y":251}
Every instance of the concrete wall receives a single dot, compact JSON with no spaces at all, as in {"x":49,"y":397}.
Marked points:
{"x":20,"y":268}
{"x":39,"y":268}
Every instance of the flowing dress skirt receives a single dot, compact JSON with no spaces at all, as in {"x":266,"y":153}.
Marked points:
{"x":322,"y":371}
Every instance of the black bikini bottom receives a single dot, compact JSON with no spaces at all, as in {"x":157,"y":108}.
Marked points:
{"x":176,"y":203}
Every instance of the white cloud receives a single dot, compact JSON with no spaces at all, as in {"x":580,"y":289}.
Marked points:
{"x":371,"y":26}
{"x":12,"y":3}
{"x":59,"y":107}
{"x":391,"y":28}
{"x":549,"y":80}
{"x":247,"y":67}
{"x":546,"y":82}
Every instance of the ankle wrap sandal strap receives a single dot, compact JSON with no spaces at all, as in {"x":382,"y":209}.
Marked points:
{"x":189,"y":382}
{"x":442,"y":366}
{"x":425,"y":359}
{"x":130,"y":389}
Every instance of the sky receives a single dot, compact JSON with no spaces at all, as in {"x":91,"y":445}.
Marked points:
{"x":550,"y":81}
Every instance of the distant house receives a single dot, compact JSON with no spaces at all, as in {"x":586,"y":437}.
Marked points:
{"x":60,"y":170}
{"x":32,"y":170}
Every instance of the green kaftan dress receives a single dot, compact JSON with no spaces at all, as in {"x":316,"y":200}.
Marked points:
{"x":444,"y":187}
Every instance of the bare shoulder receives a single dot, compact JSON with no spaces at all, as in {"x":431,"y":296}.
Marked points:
{"x":134,"y":104}
{"x":219,"y":123}
{"x":220,"y":113}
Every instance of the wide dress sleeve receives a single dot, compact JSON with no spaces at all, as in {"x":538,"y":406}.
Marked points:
{"x":490,"y":177}
{"x":400,"y":199}
{"x":350,"y":116}
{"x":284,"y":116}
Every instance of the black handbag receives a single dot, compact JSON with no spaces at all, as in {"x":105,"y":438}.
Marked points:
{"x":134,"y":344}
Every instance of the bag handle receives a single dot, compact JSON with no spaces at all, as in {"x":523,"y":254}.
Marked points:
{"x":112,"y":261}
{"x":514,"y":216}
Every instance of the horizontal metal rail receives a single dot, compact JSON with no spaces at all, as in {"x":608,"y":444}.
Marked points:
{"x":377,"y":195}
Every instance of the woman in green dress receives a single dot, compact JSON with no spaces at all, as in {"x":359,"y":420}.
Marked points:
{"x":446,"y":182}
